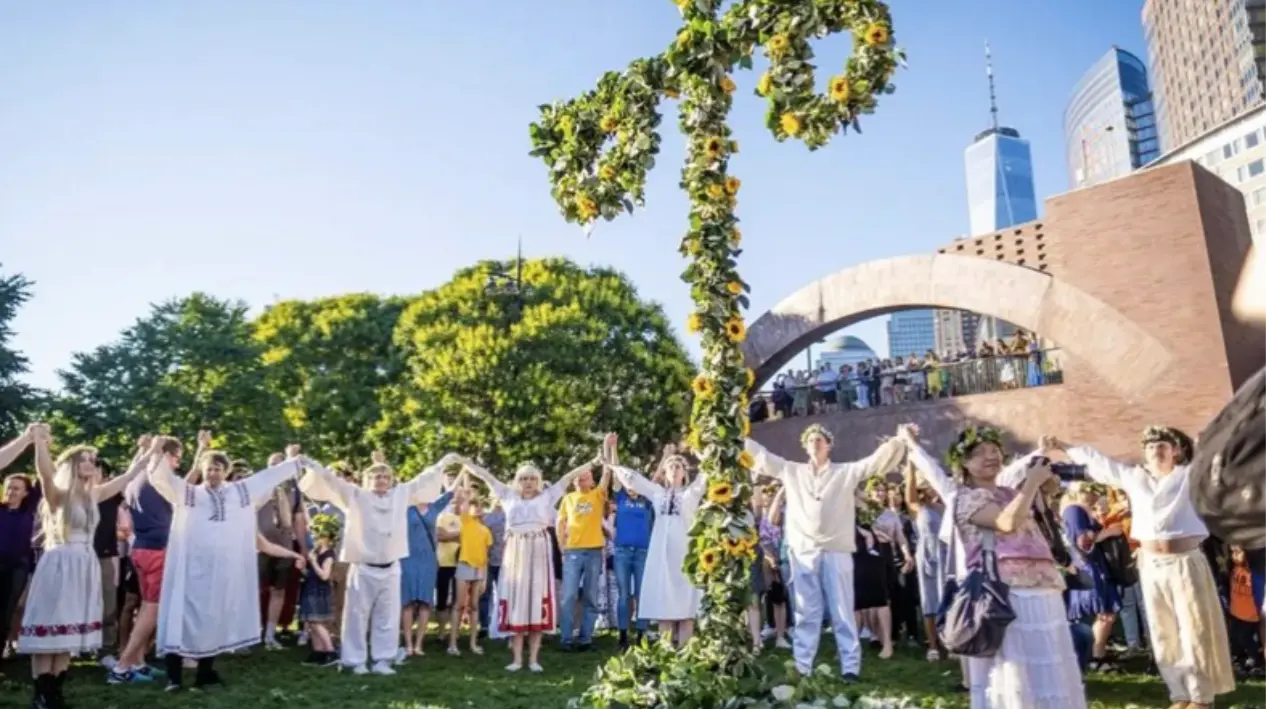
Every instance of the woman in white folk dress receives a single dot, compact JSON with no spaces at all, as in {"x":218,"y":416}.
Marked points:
{"x":210,"y":600}
{"x":525,"y":589}
{"x":667,"y":595}
{"x":64,"y":606}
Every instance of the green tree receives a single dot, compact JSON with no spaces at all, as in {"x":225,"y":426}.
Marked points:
{"x":599,"y":148}
{"x":17,"y":399}
{"x":536,"y":373}
{"x":327,"y":361}
{"x":190,"y":364}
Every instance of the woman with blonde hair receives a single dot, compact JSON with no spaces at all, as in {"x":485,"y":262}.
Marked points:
{"x":63,"y":615}
{"x":525,"y":590}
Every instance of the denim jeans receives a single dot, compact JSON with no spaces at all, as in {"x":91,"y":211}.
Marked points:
{"x":1132,"y":618}
{"x":578,"y":565}
{"x":630,"y":562}
{"x":1083,"y":644}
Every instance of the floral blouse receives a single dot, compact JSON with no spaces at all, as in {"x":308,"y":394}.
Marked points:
{"x":1024,"y":558}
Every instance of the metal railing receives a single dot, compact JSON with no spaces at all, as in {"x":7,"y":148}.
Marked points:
{"x":978,"y":375}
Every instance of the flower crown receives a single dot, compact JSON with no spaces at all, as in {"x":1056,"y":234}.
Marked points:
{"x":326,"y":525}
{"x":819,"y":430}
{"x":1172,"y":436}
{"x":967,"y":442}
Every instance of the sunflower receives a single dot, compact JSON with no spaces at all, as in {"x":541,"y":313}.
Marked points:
{"x":765,"y":84}
{"x":608,"y":124}
{"x":683,"y":38}
{"x":734,"y":287}
{"x":727,"y":84}
{"x":778,"y":45}
{"x":694,"y":323}
{"x":751,"y":377}
{"x":692,"y":441}
{"x":877,"y":34}
{"x":606,"y":172}
{"x":720,"y":493}
{"x":734,"y":547}
{"x":736,"y":238}
{"x":732,"y":185}
{"x":715,"y":191}
{"x":790,"y":124}
{"x":746,"y":461}
{"x":713,"y":147}
{"x":839,"y":88}
{"x":587,"y":208}
{"x":708,"y":560}
{"x":735,"y":329}
{"x":703,"y":386}
{"x":671,"y":93}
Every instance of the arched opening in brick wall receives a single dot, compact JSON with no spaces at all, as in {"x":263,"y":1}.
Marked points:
{"x":1119,"y":351}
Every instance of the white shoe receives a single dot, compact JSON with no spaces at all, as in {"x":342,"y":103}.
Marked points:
{"x":766,"y":633}
{"x":383,"y":668}
{"x":401,"y":656}
{"x":782,"y":644}
{"x":272,"y":644}
{"x":535,"y":667}
{"x":513,"y":667}
{"x":360,"y":670}
{"x":109,"y":662}
{"x":303,"y":638}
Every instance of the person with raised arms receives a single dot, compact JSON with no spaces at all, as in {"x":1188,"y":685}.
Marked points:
{"x":375,"y":539}
{"x":63,"y":615}
{"x":210,"y":600}
{"x":1180,"y":598}
{"x":526,"y":588}
{"x":821,"y":539}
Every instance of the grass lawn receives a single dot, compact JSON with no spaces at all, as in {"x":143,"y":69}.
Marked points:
{"x":437,"y":681}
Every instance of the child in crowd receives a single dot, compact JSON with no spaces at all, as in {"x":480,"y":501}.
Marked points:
{"x":472,"y":568}
{"x":1246,"y":641}
{"x":316,"y":599}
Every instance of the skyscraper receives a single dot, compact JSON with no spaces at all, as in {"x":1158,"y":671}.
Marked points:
{"x":1000,"y":194}
{"x":1208,"y":63}
{"x":910,"y":332}
{"x":1109,"y":125}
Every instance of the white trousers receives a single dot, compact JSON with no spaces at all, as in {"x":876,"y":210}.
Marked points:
{"x":822,"y":581}
{"x":372,"y":610}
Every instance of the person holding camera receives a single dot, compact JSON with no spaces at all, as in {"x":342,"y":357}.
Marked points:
{"x":1180,"y":598}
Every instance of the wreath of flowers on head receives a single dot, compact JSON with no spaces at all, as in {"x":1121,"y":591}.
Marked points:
{"x":1172,"y":436}
{"x":967,"y":442}
{"x":326,"y":525}
{"x":818,"y":429}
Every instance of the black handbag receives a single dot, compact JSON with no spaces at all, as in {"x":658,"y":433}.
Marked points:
{"x":974,"y":614}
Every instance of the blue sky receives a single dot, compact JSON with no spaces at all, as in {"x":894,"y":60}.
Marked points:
{"x":298,"y":149}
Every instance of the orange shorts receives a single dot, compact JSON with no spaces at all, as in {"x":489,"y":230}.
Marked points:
{"x":149,"y":572}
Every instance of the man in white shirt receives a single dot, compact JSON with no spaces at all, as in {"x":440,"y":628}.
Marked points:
{"x":820,"y":537}
{"x":1184,"y":613}
{"x":375,"y":538}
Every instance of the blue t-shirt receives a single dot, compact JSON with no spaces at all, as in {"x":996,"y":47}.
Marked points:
{"x":633,"y":520}
{"x":151,"y":519}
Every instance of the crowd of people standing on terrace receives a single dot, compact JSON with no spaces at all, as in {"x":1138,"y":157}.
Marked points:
{"x":183,"y":568}
{"x":1003,"y":364}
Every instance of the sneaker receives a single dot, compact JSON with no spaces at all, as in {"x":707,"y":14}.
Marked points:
{"x":109,"y":662}
{"x":313,"y":659}
{"x":331,"y":660}
{"x":513,"y":667}
{"x":476,"y":649}
{"x":781,"y":643}
{"x":536,"y":668}
{"x":118,"y":676}
{"x":454,"y":652}
{"x":360,"y":670}
{"x":934,"y":656}
{"x":303,"y":638}
{"x":272,"y":644}
{"x":149,"y":672}
{"x":850,"y":678}
{"x":383,"y":668}
{"x":172,"y":687}
{"x":767,"y":633}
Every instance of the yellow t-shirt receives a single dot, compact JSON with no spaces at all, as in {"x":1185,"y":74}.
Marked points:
{"x":446,"y":552}
{"x":583,"y":512}
{"x":476,"y":541}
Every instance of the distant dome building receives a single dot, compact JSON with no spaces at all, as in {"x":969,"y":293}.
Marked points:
{"x":845,"y":349}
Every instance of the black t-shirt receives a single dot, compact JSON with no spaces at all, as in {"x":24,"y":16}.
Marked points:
{"x":106,"y":540}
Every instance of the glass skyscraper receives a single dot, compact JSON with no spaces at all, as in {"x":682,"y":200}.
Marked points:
{"x":999,"y":181}
{"x":911,"y":332}
{"x":1110,"y":125}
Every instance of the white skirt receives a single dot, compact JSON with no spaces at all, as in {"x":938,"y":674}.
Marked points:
{"x":63,"y":603}
{"x":1036,"y":668}
{"x":525,"y":588}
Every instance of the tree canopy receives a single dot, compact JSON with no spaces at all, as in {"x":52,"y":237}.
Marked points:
{"x":534,"y":375}
{"x":17,"y":399}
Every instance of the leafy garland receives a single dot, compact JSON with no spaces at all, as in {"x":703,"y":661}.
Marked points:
{"x":599,"y":148}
